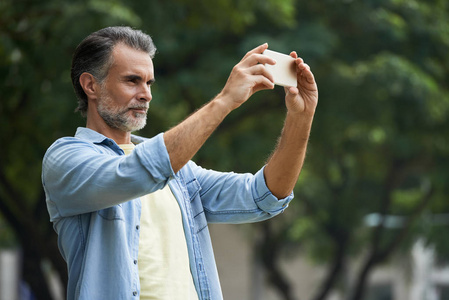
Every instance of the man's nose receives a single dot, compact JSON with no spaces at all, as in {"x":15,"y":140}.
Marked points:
{"x":145,"y":93}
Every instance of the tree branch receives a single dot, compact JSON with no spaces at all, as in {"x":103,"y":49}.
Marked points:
{"x":402,"y":234}
{"x":390,"y":182}
{"x":270,"y":256}
{"x":338,"y":263}
{"x":378,"y":255}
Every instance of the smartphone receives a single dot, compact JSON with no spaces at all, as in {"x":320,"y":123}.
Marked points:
{"x":284,"y":71}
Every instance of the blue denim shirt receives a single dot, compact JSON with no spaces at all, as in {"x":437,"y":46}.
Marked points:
{"x":92,"y":194}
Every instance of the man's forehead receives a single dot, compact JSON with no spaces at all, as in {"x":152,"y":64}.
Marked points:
{"x":129,"y":58}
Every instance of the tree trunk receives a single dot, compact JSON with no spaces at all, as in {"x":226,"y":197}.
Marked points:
{"x":334,"y":270}
{"x":270,"y":250}
{"x":360,"y":286}
{"x":36,"y":248}
{"x":32,"y":274}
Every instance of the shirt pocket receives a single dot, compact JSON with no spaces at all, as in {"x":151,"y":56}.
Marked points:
{"x":112,"y":213}
{"x":200,"y":221}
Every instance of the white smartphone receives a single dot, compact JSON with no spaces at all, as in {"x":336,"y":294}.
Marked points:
{"x":284,"y":71}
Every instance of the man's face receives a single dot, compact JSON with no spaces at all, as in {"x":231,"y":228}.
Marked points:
{"x":126,"y":92}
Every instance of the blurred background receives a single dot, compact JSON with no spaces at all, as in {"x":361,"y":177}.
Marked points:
{"x":371,"y":215}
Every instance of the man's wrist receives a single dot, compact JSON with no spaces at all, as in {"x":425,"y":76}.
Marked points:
{"x":224,"y":102}
{"x":303,"y":117}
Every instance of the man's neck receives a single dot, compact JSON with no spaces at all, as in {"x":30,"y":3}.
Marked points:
{"x":119,"y":136}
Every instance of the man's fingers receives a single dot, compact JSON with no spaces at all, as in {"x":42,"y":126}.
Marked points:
{"x":299,"y":61}
{"x":305,"y":66}
{"x":257,"y":50}
{"x":303,"y":70}
{"x":292,"y":90}
{"x":257,"y":58}
{"x":307,"y":73}
{"x":310,"y":78}
{"x":260,"y":69}
{"x":262,"y":83}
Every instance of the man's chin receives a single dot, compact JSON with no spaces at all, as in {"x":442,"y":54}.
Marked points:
{"x":137,"y":127}
{"x":127,"y":124}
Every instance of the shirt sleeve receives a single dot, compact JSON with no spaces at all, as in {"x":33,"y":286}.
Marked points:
{"x":78,"y":177}
{"x":237,"y":198}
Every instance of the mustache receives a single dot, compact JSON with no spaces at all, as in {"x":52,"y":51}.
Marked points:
{"x":139,"y":106}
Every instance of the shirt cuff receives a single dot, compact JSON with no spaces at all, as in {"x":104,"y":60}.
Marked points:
{"x":264,"y":199}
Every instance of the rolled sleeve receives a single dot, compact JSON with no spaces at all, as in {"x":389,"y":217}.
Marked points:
{"x":154,"y":157}
{"x":263,"y":197}
{"x":82,"y":175}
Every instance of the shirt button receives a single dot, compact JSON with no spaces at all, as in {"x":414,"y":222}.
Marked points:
{"x":137,"y":227}
{"x":135,"y":261}
{"x":134,"y":293}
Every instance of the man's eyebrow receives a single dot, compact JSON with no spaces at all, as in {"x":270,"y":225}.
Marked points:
{"x":138,"y":78}
{"x":132,"y":77}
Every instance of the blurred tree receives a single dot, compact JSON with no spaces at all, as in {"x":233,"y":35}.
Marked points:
{"x":379,"y":141}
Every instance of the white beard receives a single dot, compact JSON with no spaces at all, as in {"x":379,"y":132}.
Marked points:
{"x":121,"y":118}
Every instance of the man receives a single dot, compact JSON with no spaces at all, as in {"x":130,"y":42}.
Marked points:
{"x":131,"y":213}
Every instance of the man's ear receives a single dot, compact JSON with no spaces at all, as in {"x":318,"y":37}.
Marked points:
{"x":89,"y":85}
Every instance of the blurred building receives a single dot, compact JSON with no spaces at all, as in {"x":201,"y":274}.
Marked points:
{"x":9,"y":274}
{"x":12,"y":287}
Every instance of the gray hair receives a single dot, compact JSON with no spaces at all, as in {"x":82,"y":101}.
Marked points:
{"x":94,"y":55}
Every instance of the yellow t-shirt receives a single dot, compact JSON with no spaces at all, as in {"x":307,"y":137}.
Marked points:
{"x":163,"y":260}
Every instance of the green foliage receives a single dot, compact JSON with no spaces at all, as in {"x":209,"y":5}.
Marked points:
{"x":378,"y":143}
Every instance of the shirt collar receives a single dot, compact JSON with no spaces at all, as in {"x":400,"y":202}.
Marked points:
{"x":135,"y":139}
{"x":97,"y":138}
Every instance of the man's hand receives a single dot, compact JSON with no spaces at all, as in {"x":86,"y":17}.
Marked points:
{"x":304,"y":97}
{"x":248,"y":77}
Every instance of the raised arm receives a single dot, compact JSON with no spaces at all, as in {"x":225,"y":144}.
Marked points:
{"x":246,"y":78}
{"x":285,"y":164}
